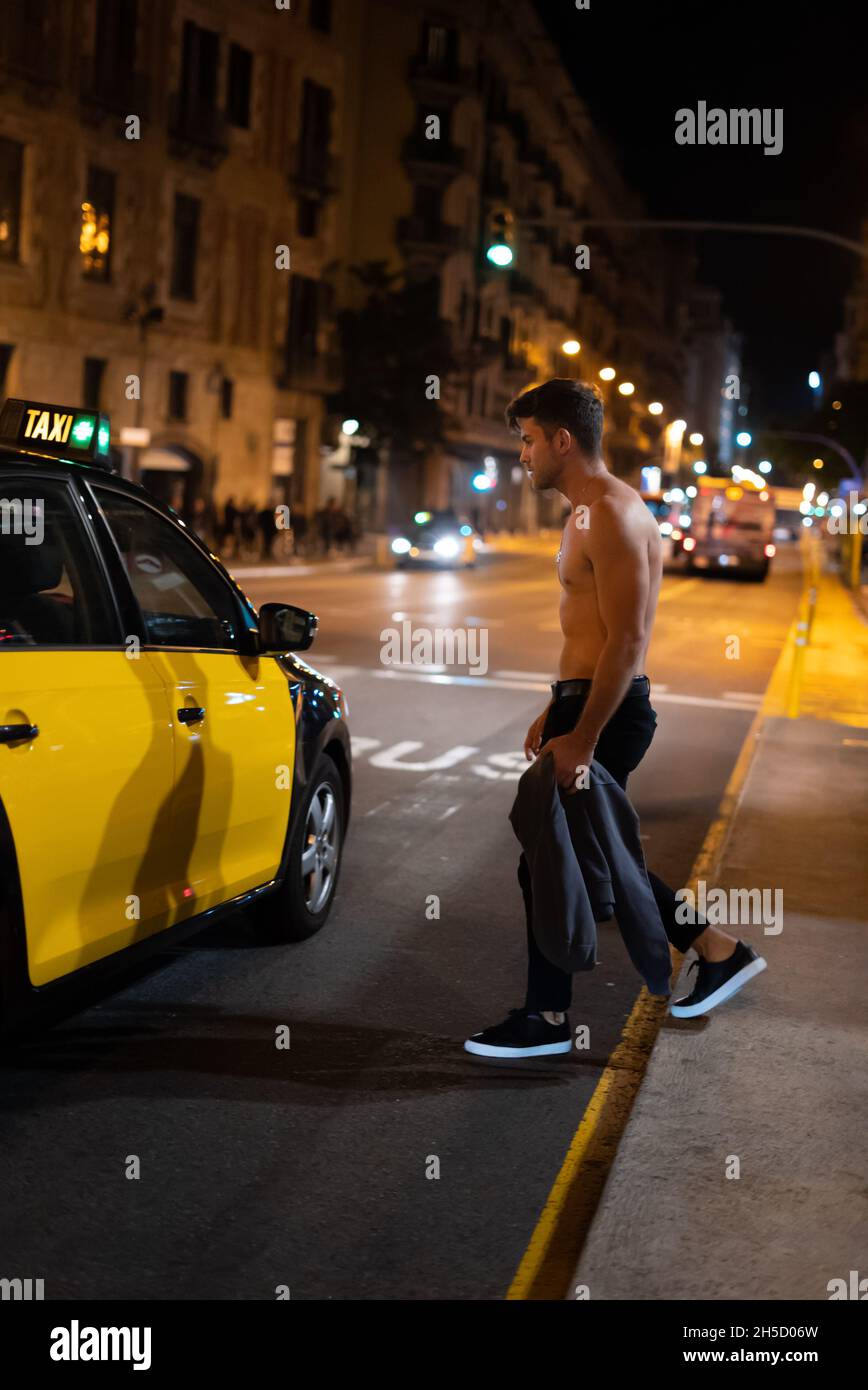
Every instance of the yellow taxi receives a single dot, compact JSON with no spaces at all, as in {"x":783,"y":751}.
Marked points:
{"x":165,"y":753}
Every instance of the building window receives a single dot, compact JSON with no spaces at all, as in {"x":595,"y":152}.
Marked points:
{"x":199,"y":66}
{"x":428,"y":205}
{"x":240,"y":86}
{"x":11,"y":169}
{"x":316,"y":132}
{"x":227,"y":395}
{"x":303,"y":326}
{"x":178,"y":395}
{"x":115,"y":45}
{"x":91,"y":386}
{"x":308,"y":217}
{"x":439,"y":46}
{"x":321,"y":15}
{"x":185,"y":247}
{"x":6,"y":351}
{"x":97,"y":219}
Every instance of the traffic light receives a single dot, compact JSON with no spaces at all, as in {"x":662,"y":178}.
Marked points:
{"x":500,"y":241}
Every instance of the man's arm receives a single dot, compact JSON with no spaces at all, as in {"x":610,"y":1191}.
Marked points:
{"x":617,"y":550}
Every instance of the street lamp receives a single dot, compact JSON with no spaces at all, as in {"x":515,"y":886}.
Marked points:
{"x":764,"y":466}
{"x":814,"y":381}
{"x":626,"y":388}
{"x":655,"y":408}
{"x":700,"y":466}
{"x":607,"y":374}
{"x":743,"y":439}
{"x":571,"y":347}
{"x":696,"y":437}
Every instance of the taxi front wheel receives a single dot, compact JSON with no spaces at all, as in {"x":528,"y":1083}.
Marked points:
{"x":301,"y":905}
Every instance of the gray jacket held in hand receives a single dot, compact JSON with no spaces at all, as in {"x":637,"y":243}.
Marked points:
{"x":585,"y":861}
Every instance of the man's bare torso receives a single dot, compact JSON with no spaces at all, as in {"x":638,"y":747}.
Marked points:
{"x":582,"y":627}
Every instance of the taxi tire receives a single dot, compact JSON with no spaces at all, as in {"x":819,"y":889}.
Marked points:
{"x":284,"y":915}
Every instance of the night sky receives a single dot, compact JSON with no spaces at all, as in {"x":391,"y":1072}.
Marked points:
{"x":635,"y":64}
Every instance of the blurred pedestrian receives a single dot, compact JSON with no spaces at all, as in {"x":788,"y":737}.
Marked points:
{"x":265,"y":518}
{"x":229,"y":530}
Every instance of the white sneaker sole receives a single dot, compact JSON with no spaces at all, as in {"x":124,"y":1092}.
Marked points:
{"x":720,"y":996}
{"x":542,"y":1050}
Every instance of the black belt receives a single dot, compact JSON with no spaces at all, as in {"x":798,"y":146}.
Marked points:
{"x":564,"y":690}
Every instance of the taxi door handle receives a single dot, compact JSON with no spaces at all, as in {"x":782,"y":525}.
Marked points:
{"x":18,"y":733}
{"x":191,"y":714}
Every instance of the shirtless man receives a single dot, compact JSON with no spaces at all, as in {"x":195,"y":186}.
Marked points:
{"x":609,"y":567}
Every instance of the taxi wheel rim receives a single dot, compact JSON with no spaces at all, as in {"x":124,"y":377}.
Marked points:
{"x":319,"y":859}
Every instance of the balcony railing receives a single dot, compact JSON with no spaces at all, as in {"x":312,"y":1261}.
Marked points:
{"x":312,"y":171}
{"x":197,"y":130}
{"x":434,"y":155}
{"x":109,"y":92}
{"x":420,"y":233}
{"x":301,"y":369}
{"x":447,"y":79}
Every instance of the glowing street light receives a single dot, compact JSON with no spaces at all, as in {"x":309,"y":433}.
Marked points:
{"x":697,"y":438}
{"x":607,"y":373}
{"x":572,"y":347}
{"x":700,"y":466}
{"x":626,"y":388}
{"x":819,"y":463}
{"x":743,"y":439}
{"x":350,"y":427}
{"x":764,"y":466}
{"x":814,"y":381}
{"x":655,"y":408}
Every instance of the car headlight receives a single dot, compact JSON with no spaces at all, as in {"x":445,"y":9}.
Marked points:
{"x":400,"y":545}
{"x":447,"y":546}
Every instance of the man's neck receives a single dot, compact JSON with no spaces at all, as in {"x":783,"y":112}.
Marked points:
{"x":577,"y":485}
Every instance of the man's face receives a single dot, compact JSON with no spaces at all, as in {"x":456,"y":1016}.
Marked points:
{"x":542,"y":457}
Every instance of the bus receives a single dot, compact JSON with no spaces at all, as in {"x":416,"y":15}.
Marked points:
{"x":731,"y":527}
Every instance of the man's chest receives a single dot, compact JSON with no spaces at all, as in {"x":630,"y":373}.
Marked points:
{"x":575,"y":571}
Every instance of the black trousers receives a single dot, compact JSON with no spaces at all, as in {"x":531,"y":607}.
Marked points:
{"x":623,"y":743}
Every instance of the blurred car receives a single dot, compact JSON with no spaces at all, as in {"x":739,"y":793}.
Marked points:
{"x":439,"y":538}
{"x":671,"y":511}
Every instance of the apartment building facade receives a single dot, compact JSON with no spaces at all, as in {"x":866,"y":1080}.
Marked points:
{"x":168,"y":178}
{"x":468,"y":122}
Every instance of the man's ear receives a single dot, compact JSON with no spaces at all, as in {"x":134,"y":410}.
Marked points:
{"x":565,"y":440}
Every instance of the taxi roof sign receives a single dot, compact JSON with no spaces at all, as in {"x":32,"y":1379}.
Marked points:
{"x":56,"y":431}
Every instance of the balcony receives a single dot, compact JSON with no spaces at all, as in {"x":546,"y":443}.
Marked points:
{"x":419,"y":235}
{"x":197,"y":131}
{"x":299,"y":369}
{"x":313,"y":173}
{"x":110,"y":93}
{"x":440,"y":82}
{"x":516,"y":371}
{"x":437,"y":160}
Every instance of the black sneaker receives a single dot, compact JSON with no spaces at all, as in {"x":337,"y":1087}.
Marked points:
{"x":717,"y":981}
{"x":523,"y":1034}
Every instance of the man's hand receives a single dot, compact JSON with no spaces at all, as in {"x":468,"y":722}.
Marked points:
{"x":571,"y":756}
{"x":534,"y":736}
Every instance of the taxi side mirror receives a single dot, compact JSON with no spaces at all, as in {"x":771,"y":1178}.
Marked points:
{"x":285,"y":628}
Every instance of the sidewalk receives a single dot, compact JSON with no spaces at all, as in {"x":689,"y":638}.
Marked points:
{"x":776,"y":1078}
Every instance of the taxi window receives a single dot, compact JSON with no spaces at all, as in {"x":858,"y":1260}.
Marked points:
{"x":183,"y":600}
{"x":52,"y":592}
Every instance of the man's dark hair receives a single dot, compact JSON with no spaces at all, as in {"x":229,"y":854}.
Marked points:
{"x":562,"y":403}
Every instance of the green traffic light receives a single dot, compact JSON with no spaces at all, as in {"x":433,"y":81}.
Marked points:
{"x":500,"y":254}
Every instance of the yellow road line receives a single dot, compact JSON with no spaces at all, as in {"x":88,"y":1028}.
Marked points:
{"x":550,"y":1259}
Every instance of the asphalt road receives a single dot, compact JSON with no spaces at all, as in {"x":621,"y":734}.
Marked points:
{"x":309,"y":1167}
